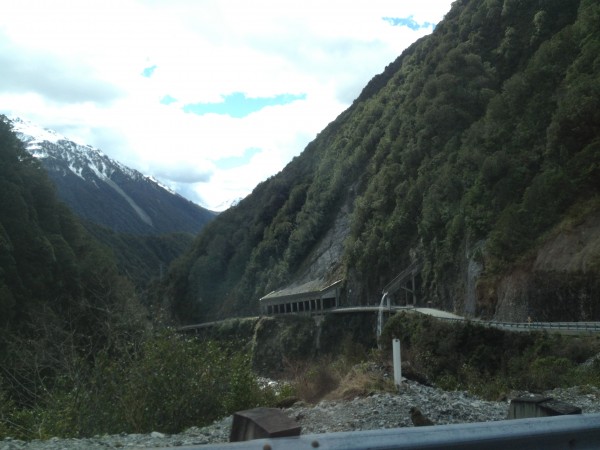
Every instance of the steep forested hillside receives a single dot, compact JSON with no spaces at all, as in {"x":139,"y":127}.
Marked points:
{"x":468,"y":153}
{"x":141,"y":258}
{"x":61,"y":298}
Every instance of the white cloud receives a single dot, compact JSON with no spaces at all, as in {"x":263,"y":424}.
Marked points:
{"x":86,"y":59}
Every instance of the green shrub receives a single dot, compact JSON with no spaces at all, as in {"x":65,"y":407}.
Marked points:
{"x":179,"y":382}
{"x":6,"y":412}
{"x":167,"y":384}
{"x":489,"y":362}
{"x":550,"y":372}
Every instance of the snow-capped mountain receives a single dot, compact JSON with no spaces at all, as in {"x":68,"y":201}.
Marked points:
{"x":105,"y":191}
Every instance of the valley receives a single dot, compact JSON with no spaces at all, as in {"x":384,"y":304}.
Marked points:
{"x":463,"y":179}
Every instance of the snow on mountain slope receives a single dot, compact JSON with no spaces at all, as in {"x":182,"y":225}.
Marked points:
{"x":78,"y":156}
{"x":105,"y":191}
{"x":33,"y":134}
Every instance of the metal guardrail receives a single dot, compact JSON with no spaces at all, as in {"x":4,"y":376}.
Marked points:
{"x":592,"y":327}
{"x":576,"y":327}
{"x":580,"y":432}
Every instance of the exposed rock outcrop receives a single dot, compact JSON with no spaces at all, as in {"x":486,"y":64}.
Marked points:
{"x":560,"y":281}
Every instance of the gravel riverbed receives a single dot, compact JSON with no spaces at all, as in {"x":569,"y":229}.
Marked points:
{"x":376,"y":411}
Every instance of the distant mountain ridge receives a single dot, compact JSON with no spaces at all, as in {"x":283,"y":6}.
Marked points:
{"x":104,"y":191}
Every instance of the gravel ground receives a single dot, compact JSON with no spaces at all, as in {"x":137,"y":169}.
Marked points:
{"x":379,"y":410}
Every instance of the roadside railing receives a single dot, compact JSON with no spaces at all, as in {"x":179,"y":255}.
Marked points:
{"x":572,"y":327}
{"x":581,"y":432}
{"x":576,"y":327}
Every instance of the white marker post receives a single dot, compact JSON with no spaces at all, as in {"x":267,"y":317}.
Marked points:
{"x":397,"y":362}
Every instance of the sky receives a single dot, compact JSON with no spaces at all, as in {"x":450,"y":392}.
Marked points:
{"x":210,"y":97}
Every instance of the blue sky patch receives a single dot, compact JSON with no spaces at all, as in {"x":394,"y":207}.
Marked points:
{"x":167,"y":100}
{"x":238,"y":105}
{"x":232,"y":162}
{"x":148,"y":71}
{"x":408,"y":22}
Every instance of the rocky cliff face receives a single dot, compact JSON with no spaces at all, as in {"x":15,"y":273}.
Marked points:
{"x":558,"y":282}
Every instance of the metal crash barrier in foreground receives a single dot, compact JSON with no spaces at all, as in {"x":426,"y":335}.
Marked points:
{"x":546,"y":433}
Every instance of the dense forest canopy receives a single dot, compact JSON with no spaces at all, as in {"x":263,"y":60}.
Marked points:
{"x":141,"y":258}
{"x":472,"y":144}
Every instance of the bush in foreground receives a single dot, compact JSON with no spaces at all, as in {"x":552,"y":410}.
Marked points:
{"x":166,"y":384}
